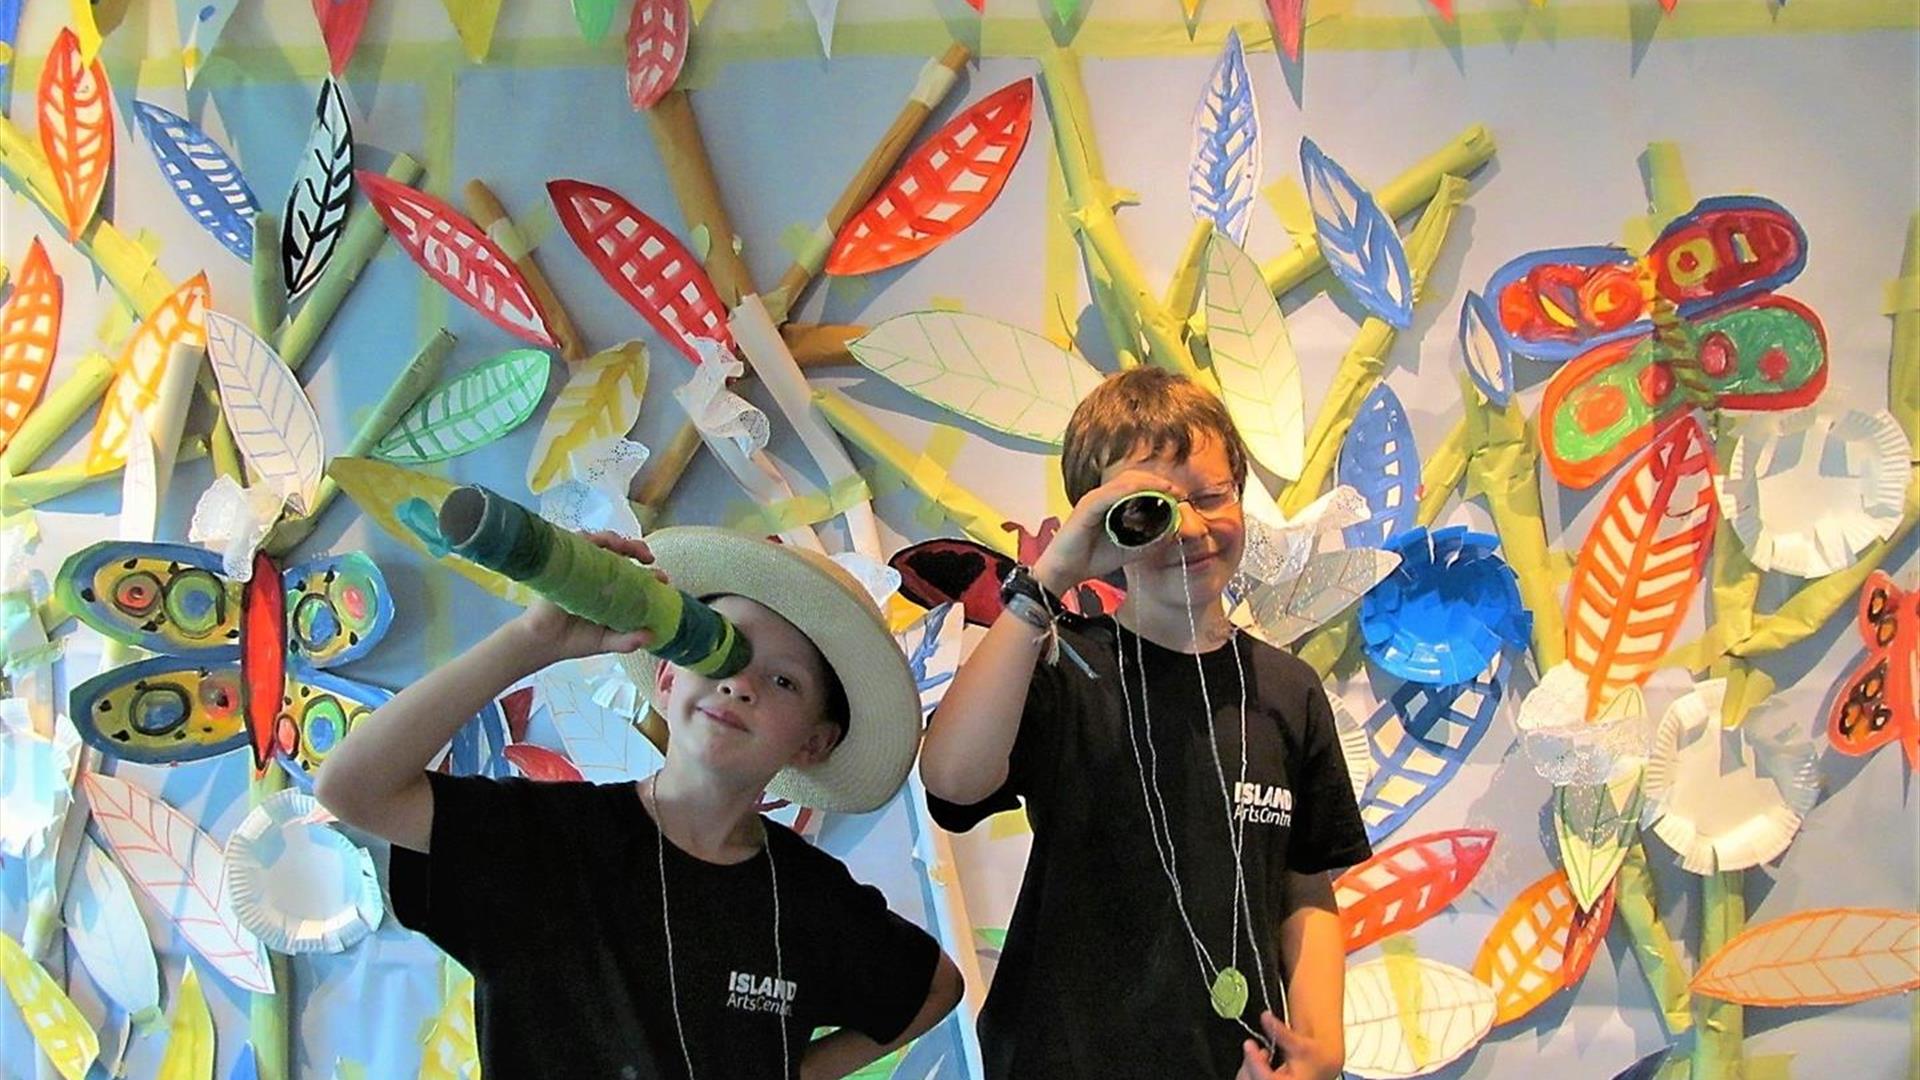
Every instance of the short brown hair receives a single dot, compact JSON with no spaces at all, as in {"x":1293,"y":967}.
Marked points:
{"x":1143,"y":406}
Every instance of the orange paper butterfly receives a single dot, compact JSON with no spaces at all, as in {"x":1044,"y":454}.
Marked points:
{"x":1881,"y":699}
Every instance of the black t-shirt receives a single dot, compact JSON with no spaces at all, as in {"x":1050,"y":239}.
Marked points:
{"x":549,"y":893}
{"x":1098,"y":976}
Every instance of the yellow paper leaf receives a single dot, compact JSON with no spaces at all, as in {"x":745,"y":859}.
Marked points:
{"x":450,"y":1051}
{"x":189,"y":1034}
{"x":383,"y":492}
{"x":474,"y":20}
{"x":601,"y":400}
{"x":57,"y":1026}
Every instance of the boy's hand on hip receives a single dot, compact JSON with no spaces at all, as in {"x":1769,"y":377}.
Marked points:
{"x":1081,"y":549}
{"x":1301,"y":1057}
{"x":553,"y":634}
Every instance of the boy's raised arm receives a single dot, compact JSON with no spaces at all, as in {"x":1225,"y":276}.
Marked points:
{"x":376,"y":778}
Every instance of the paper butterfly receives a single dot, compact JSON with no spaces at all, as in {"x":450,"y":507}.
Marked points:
{"x":1881,"y":699}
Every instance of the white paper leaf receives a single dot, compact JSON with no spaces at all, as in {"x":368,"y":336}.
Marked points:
{"x":1254,"y":360}
{"x":273,"y":422}
{"x":110,"y":935}
{"x":600,"y":742}
{"x":1452,"y":1012}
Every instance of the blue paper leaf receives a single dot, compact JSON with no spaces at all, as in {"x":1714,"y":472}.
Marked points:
{"x":1358,"y":238}
{"x":1484,"y":350}
{"x":1647,"y":1067}
{"x":203,"y":175}
{"x":479,"y":748}
{"x":9,"y":37}
{"x":1412,"y":770}
{"x":322,"y":189}
{"x":1225,"y":170}
{"x":1381,"y":462}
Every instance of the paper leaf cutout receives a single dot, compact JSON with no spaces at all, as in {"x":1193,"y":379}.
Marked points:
{"x":600,"y":742}
{"x":657,"y":33}
{"x":1358,"y":239}
{"x":1880,"y":700}
{"x":203,"y":175}
{"x":1390,"y":1039}
{"x":1225,"y":172}
{"x":1641,"y":563}
{"x":1380,"y":460}
{"x":340,"y":24}
{"x":316,"y":212}
{"x":941,"y":188}
{"x":458,"y":254}
{"x":110,"y":936}
{"x":1289,"y":24}
{"x":1829,"y":956}
{"x":1413,"y":769}
{"x":1354,"y":748}
{"x":189,"y":1054}
{"x":471,"y":411}
{"x":179,"y":868}
{"x":179,"y":320}
{"x":1488,"y":362}
{"x":1282,"y":612}
{"x":540,"y":763}
{"x":273,"y":423}
{"x":994,"y":373}
{"x":1586,"y":938}
{"x":601,"y":400}
{"x":474,"y":21}
{"x":594,"y":17}
{"x":1725,"y":799}
{"x":1595,"y":825}
{"x":1523,"y":955}
{"x":644,"y":263}
{"x":405,"y":503}
{"x":201,"y":24}
{"x":76,"y":129}
{"x":1449,"y":607}
{"x":29,"y":334}
{"x":1403,"y":886}
{"x":452,"y":1050}
{"x":1808,"y":491}
{"x":1253,"y":359}
{"x":59,"y":1028}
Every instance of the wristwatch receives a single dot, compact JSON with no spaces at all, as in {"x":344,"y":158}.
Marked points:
{"x":1020,"y":582}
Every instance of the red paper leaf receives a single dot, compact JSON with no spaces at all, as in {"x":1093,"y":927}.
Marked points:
{"x":1403,"y":886}
{"x":457,"y":254}
{"x":942,"y":188}
{"x":76,"y":130}
{"x":340,"y":23}
{"x":517,"y":707}
{"x":643,"y":262}
{"x":29,"y":332}
{"x":1585,"y":938}
{"x":1641,"y":564}
{"x":540,"y":763}
{"x":657,"y":34}
{"x":1524,"y":956}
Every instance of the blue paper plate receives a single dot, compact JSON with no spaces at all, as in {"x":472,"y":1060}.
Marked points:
{"x":1444,"y":613}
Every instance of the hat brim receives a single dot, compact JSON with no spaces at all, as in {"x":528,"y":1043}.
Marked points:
{"x":827,"y":605}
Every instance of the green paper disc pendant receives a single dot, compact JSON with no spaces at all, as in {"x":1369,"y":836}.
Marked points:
{"x":1230,"y":994}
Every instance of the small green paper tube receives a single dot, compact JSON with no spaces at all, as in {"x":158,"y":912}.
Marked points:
{"x":589,"y":581}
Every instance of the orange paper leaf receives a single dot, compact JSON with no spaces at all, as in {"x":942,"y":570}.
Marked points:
{"x":647,"y":265}
{"x":29,"y":330}
{"x":1642,"y":563}
{"x":179,"y":320}
{"x":1830,"y":956}
{"x":76,"y":129}
{"x":942,"y":188}
{"x":1402,"y":887}
{"x":1524,"y":956}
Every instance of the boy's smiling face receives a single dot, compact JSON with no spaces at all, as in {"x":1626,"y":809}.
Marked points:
{"x":1212,"y":534}
{"x":773,"y":714}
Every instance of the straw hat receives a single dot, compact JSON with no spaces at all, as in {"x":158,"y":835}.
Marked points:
{"x":840,"y":618}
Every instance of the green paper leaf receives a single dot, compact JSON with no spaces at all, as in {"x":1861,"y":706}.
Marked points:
{"x":471,"y":411}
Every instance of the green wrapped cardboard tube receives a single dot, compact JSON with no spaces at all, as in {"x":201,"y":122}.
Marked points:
{"x":589,"y":581}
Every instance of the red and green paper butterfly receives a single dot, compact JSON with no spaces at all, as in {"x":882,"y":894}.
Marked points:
{"x":237,"y":664}
{"x":1880,"y":701}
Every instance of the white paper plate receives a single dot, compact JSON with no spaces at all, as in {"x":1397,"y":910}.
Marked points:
{"x":1808,"y":491}
{"x":297,"y":882}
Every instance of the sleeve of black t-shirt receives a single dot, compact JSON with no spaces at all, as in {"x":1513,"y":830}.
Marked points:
{"x":1327,"y":831}
{"x":1032,"y":761}
{"x":882,"y":966}
{"x":493,"y":843}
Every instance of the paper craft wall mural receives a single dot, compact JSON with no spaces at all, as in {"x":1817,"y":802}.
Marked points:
{"x":1587,"y":481}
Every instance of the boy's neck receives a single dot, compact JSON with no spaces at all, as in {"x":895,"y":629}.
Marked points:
{"x":704,"y":817}
{"x":1173,"y":626}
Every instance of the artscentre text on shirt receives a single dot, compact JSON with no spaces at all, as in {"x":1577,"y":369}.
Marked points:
{"x":1262,"y":804}
{"x":760,"y":993}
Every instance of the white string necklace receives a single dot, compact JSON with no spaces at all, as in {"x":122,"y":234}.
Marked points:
{"x":666,"y":925}
{"x":1226,"y":985}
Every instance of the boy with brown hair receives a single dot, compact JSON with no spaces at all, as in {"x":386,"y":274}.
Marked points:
{"x":665,"y":928}
{"x":1184,"y":781}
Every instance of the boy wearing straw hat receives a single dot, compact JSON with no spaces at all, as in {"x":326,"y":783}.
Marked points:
{"x":1184,"y":782}
{"x":665,"y":928}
